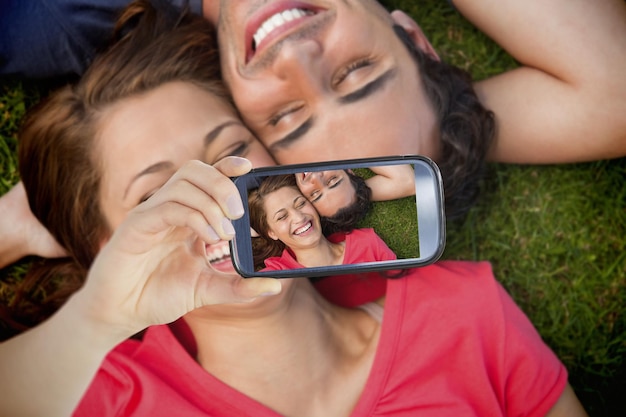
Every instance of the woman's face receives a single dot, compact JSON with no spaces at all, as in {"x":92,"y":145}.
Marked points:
{"x":292,"y":219}
{"x":144,"y":140}
{"x":329,"y":191}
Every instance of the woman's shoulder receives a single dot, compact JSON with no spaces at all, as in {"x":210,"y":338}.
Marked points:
{"x":447,"y":283}
{"x":461,"y":272}
{"x":278,"y":263}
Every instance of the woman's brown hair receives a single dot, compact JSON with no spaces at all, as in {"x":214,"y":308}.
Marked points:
{"x":263,"y":246}
{"x":154,"y":44}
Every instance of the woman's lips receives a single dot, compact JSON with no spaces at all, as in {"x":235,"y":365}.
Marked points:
{"x":304,"y":229}
{"x":218,"y":255}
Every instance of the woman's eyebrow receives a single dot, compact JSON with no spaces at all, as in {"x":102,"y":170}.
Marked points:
{"x":159,"y":166}
{"x":215,"y":132}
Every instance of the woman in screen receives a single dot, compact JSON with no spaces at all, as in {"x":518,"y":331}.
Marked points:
{"x":290,"y":228}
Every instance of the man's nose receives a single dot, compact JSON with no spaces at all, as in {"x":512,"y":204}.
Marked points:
{"x":317,"y":178}
{"x":300,"y":61}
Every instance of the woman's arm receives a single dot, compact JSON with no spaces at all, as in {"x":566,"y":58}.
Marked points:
{"x":391,"y":182}
{"x":21,"y":232}
{"x":153,"y":270}
{"x":567,"y":100}
{"x":567,"y":405}
{"x":46,"y":370}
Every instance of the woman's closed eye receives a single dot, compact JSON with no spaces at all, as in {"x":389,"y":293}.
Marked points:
{"x":301,"y":202}
{"x":239,"y":148}
{"x":314,"y":196}
{"x":146,"y":196}
{"x":280,"y":215}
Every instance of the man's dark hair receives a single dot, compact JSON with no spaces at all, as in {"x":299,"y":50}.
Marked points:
{"x":466,"y":128}
{"x":346,"y":218}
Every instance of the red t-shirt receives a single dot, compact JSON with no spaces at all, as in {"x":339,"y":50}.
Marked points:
{"x":452,"y":343}
{"x":348,"y":290}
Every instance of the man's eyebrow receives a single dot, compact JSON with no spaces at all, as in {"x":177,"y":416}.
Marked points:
{"x":215,"y":132}
{"x":370,"y":88}
{"x":293,"y":136}
{"x":159,"y":166}
{"x":362,"y":93}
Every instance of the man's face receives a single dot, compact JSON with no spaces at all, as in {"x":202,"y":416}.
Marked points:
{"x":327,"y":80}
{"x":328,"y":191}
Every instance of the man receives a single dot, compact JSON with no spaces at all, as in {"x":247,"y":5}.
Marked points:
{"x":314,"y":80}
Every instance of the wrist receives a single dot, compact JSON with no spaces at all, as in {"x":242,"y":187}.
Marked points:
{"x":100,"y":333}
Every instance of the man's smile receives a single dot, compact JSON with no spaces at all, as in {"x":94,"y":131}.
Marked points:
{"x":273,"y":22}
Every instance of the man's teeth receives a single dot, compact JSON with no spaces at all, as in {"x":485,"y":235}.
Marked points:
{"x":276,"y":21}
{"x":219,"y":253}
{"x":302,"y":229}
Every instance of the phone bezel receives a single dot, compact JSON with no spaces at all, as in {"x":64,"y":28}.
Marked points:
{"x":429,"y":200}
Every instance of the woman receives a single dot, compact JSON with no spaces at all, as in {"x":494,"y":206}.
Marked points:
{"x":244,"y":347}
{"x":287,"y":221}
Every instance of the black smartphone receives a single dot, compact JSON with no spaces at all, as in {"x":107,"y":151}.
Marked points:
{"x":314,"y":220}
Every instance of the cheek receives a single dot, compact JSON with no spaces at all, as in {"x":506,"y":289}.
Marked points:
{"x":305,"y":189}
{"x":259,"y":156}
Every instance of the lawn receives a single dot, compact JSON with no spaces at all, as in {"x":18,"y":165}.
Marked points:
{"x":556,"y":235}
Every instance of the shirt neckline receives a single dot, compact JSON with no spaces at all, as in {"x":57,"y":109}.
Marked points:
{"x":231,"y":398}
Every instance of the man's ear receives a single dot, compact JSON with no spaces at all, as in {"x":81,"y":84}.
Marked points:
{"x":415,"y":32}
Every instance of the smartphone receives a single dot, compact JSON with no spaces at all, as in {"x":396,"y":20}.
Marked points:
{"x":412,"y":227}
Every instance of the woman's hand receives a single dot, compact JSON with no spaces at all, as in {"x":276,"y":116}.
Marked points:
{"x":154,"y":268}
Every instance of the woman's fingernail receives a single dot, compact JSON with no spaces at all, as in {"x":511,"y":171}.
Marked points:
{"x":212,"y":233}
{"x":238,"y":161}
{"x":235,"y":208}
{"x":227,"y":227}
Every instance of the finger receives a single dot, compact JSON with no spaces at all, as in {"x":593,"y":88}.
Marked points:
{"x":233,"y":166}
{"x":143,"y":228}
{"x":189,"y":195}
{"x":211,"y":182}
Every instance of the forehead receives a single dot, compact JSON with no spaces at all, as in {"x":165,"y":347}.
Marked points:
{"x":165,"y":125}
{"x":163,"y":116}
{"x":282,"y":196}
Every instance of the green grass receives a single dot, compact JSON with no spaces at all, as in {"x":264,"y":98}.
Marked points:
{"x":556,"y":235}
